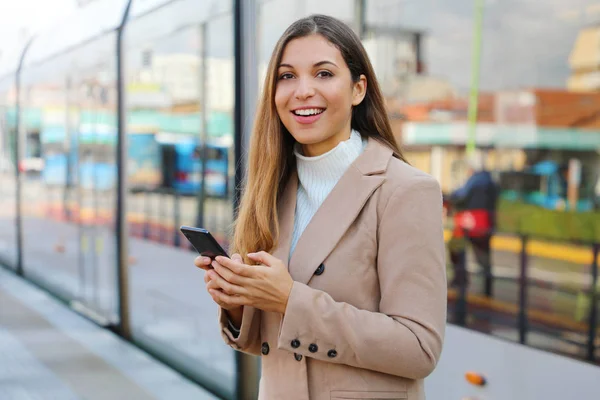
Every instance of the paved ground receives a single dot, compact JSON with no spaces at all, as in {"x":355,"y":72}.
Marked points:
{"x":50,"y":352}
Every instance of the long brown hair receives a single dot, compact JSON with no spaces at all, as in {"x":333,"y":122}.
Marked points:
{"x":271,"y":157}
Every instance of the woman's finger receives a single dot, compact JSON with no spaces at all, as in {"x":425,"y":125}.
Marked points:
{"x":264,"y":258}
{"x":212,"y":284}
{"x":203,"y":262}
{"x":238,"y":267}
{"x":207,"y":277}
{"x":227,"y":301}
{"x":227,"y":287}
{"x":217,"y":300}
{"x":229,"y":275}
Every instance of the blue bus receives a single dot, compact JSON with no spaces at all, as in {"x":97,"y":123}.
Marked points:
{"x":153,"y":162}
{"x":182,"y":167}
{"x":544,"y":184}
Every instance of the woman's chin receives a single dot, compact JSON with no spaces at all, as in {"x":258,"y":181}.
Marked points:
{"x":304,"y":139}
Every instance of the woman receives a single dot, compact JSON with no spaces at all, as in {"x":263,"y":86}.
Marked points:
{"x":341,"y":287}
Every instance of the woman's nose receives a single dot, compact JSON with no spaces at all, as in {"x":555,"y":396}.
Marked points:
{"x":305,"y":89}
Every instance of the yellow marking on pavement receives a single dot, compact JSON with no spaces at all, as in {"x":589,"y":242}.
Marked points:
{"x":565,"y":252}
{"x":99,"y":245}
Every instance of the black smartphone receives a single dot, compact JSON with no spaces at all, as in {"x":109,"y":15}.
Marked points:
{"x":204,"y":243}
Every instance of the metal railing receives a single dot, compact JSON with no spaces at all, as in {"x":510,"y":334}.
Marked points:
{"x":463,"y":302}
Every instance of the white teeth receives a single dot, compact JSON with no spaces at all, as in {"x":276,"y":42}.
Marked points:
{"x":309,"y":111}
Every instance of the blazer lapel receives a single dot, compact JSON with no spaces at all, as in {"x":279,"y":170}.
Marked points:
{"x":339,"y":210}
{"x":287,"y":212}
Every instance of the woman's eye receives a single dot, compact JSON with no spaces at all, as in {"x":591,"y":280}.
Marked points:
{"x":286,"y":75}
{"x":324,"y":74}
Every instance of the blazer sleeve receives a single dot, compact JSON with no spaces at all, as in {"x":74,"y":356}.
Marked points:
{"x":405,"y":337}
{"x":248,"y":340}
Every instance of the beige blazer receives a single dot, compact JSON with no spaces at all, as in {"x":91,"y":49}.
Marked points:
{"x":366,"y":315}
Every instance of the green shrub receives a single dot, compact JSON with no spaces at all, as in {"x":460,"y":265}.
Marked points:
{"x":534,"y":221}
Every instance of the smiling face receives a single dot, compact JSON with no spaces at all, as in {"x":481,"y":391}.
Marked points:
{"x":315,"y":94}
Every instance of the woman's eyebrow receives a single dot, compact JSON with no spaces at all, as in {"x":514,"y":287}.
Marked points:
{"x":318,"y":64}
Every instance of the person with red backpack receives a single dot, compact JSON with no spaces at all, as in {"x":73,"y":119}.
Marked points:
{"x":474,"y":216}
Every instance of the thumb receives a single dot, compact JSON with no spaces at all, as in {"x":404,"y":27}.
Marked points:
{"x":237,"y":257}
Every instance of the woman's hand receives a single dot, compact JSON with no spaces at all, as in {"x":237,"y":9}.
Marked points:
{"x":266,"y":286}
{"x":205,"y":264}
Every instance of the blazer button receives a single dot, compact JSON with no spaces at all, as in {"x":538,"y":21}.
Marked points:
{"x":298,"y":357}
{"x":331,"y":353}
{"x":265,"y":348}
{"x":295,"y":343}
{"x":313,"y":348}
{"x":320,"y":270}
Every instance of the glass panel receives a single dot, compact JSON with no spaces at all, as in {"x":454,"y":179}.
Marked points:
{"x":8,"y":186}
{"x":174,"y":13}
{"x":96,"y":175}
{"x":179,"y":99}
{"x":45,"y":203}
{"x":69,"y":144}
{"x":9,"y":61}
{"x":89,"y":22}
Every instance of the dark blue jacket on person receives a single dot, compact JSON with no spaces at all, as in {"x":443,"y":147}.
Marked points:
{"x":479,"y":193}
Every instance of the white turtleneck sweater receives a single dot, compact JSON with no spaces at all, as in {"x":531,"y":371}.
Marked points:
{"x":318,"y":175}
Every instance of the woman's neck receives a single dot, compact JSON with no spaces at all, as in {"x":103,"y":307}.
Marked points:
{"x":316,"y":149}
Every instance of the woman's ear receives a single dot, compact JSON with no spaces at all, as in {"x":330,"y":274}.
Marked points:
{"x":359,"y":90}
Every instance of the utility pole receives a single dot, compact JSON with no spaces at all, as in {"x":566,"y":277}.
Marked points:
{"x":475,"y":67}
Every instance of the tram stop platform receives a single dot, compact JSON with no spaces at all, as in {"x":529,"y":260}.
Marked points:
{"x":48,"y":351}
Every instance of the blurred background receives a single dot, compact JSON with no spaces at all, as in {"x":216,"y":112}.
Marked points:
{"x":122,"y":120}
